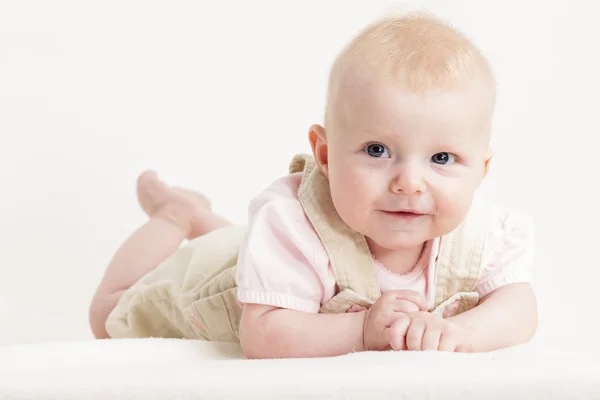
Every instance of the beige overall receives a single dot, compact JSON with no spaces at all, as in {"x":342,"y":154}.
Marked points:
{"x":192,"y":294}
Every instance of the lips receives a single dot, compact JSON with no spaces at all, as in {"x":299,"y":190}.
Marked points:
{"x":404,"y":214}
{"x":405,"y":211}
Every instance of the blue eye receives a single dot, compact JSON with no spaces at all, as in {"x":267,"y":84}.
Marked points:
{"x":443,"y":158}
{"x":377,"y":150}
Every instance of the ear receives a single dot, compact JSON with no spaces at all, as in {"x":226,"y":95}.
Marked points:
{"x":318,"y":143}
{"x":488,"y":159}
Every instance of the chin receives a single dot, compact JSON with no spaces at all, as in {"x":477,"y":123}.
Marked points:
{"x":399,"y":241}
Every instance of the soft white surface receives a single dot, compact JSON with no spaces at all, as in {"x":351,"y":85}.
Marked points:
{"x":165,"y":369}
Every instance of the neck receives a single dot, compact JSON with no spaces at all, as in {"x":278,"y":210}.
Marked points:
{"x":399,"y":261}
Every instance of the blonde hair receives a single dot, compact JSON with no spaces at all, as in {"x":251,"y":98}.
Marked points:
{"x":416,"y":50}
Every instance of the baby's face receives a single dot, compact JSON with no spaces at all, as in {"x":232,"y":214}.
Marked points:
{"x":403,"y":168}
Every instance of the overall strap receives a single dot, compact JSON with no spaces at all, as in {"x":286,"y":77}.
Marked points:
{"x":348,"y":251}
{"x":462,"y":253}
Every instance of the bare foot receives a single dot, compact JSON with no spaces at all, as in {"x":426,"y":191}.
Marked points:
{"x":189,"y":210}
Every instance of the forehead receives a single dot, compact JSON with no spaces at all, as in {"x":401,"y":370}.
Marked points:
{"x":391,"y":109}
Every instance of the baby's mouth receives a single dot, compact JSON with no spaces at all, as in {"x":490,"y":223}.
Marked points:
{"x":404,"y":214}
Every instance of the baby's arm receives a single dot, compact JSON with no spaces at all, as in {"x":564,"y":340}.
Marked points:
{"x":271,"y":332}
{"x":506,"y":317}
{"x":507,"y":312}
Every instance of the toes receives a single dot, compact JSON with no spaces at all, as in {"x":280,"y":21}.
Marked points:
{"x":147,"y":176}
{"x":151,"y":192}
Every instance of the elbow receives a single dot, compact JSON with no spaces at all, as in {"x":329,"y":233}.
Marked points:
{"x":253,"y":346}
{"x":257,"y":353}
{"x":259,"y":343}
{"x":260,"y":338}
{"x":532,"y":325}
{"x":530,"y":321}
{"x":252,"y":352}
{"x":250,"y":339}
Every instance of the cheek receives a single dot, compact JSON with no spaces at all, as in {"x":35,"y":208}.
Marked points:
{"x":359,"y":186}
{"x":343,"y":186}
{"x":353,"y":193}
{"x":452,"y":205}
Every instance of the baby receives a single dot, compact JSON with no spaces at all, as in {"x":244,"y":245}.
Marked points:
{"x":377,"y":241}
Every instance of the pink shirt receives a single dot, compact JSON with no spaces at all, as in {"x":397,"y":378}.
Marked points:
{"x":283,"y":263}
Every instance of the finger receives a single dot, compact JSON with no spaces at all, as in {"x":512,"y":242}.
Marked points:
{"x":393,"y":310}
{"x":414,"y":336}
{"x":356,"y":308}
{"x":396,"y":334}
{"x":414,"y":297}
{"x":431,"y":338}
{"x":447,"y":342}
{"x":405,"y":306}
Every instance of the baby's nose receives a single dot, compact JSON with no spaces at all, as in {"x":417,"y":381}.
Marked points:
{"x":408,"y":180}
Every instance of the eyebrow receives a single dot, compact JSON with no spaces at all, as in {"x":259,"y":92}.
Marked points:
{"x":444,"y":142}
{"x":382,"y":135}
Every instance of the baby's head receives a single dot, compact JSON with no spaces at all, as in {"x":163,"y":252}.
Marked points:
{"x":407,"y":130}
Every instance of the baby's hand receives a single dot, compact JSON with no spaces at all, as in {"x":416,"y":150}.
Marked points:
{"x":388,"y":308}
{"x":426,"y":331}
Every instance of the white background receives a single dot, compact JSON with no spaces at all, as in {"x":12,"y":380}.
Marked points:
{"x":219,"y":95}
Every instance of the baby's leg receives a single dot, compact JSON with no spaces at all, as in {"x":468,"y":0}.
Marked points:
{"x":175,"y":214}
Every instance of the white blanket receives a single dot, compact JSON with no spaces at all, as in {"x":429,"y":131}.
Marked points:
{"x":180,"y":369}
